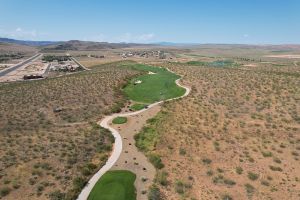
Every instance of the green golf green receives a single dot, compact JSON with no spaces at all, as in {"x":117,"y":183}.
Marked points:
{"x":137,"y":106}
{"x":159,"y":84}
{"x":119,"y":120}
{"x":115,"y":185}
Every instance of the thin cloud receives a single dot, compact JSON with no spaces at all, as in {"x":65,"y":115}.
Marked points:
{"x":130,"y":38}
{"x":20,"y":33}
{"x":146,"y":37}
{"x":126,"y":37}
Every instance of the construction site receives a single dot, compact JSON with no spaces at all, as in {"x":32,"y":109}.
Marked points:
{"x":38,"y":66}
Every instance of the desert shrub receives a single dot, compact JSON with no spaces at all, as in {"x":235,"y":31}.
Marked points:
{"x":206,"y":161}
{"x":57,"y":195}
{"x":226,"y":197}
{"x":210,"y":172}
{"x":146,"y":139}
{"x":88,"y":169}
{"x":156,"y":161}
{"x":239,"y":170}
{"x":277,"y":160}
{"x":79,"y":182}
{"x":179,"y":187}
{"x":4,"y":191}
{"x":265,"y":183}
{"x":267,"y":153}
{"x":182,"y":151}
{"x":161,"y":178}
{"x":217,"y":146}
{"x":16,"y":185}
{"x":252,"y":176}
{"x":249,"y":189}
{"x":220,"y":170}
{"x":229,"y":182}
{"x":154,"y":193}
{"x":218,"y":179}
{"x":275,"y":168}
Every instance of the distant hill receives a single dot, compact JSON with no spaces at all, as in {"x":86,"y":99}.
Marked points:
{"x":6,"y":47}
{"x":77,"y":45}
{"x":174,"y":44}
{"x":28,"y":42}
{"x":72,"y":45}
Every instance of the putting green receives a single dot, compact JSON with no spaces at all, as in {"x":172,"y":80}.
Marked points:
{"x":115,"y":185}
{"x":119,"y":120}
{"x":159,"y":84}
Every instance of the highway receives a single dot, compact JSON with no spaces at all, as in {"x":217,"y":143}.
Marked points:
{"x":13,"y":68}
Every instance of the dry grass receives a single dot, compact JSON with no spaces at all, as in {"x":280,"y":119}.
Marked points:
{"x":47,"y":142}
{"x":236,"y":135}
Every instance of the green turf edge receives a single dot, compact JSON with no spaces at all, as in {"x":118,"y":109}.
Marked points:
{"x":115,"y":185}
{"x":137,"y":106}
{"x":119,"y":120}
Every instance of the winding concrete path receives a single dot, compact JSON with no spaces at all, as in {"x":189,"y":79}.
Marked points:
{"x":118,"y":145}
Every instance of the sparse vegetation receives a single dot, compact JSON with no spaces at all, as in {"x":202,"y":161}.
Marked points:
{"x":275,"y":168}
{"x":47,"y":131}
{"x":239,"y":170}
{"x":4,"y":191}
{"x":252,"y":176}
{"x":154,"y":193}
{"x":249,"y":189}
{"x":156,"y":161}
{"x":238,"y":126}
{"x":236,"y":122}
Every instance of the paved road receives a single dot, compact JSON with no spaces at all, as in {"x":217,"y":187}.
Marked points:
{"x":10,"y":69}
{"x":47,"y":70}
{"x":118,"y":143}
{"x":78,"y":63}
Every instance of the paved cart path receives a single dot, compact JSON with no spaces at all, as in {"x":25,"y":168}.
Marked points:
{"x":118,"y":145}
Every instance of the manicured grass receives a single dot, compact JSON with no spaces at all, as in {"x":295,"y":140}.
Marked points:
{"x":119,"y":120}
{"x":154,"y":87}
{"x":115,"y":185}
{"x":137,"y":106}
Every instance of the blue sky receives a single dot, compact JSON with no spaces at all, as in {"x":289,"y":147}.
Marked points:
{"x":184,"y":21}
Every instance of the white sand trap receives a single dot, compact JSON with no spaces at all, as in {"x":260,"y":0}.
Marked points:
{"x":138,"y":82}
{"x":151,"y":72}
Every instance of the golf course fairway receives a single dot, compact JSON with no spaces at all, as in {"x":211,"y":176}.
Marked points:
{"x":157,"y":85}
